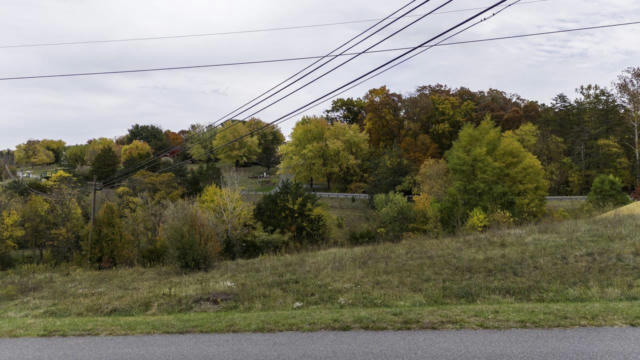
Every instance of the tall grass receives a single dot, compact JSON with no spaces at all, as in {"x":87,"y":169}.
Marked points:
{"x":574,"y":261}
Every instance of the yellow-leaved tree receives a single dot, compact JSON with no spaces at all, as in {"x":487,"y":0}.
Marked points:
{"x":135,"y":153}
{"x":492,"y":172}
{"x":233,"y":144}
{"x":10,"y":233}
{"x":228,"y":210}
{"x":318,"y":150}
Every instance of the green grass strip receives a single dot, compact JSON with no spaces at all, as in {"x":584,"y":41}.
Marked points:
{"x":563,"y":315}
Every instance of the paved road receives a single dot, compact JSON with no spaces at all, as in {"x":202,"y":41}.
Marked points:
{"x":604,"y":343}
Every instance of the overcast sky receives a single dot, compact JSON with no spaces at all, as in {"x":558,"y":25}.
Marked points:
{"x":78,"y":109}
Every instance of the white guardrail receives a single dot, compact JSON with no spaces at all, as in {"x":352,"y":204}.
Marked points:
{"x":366,"y":196}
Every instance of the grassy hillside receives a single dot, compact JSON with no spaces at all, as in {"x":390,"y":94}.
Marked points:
{"x":629,"y":210}
{"x":496,"y":279}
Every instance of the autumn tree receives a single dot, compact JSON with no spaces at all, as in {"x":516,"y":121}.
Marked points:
{"x":492,"y":172}
{"x":200,"y":144}
{"x":198,"y":179}
{"x":628,"y":87}
{"x":56,"y":147}
{"x":318,"y":150}
{"x":550,"y":149}
{"x":418,"y":111}
{"x":75,"y":156}
{"x":347,"y":150}
{"x":94,"y":146}
{"x":33,"y":153}
{"x":388,"y":171}
{"x":306,"y":156}
{"x":597,"y":115}
{"x":105,"y":164}
{"x":293,"y":211}
{"x":609,"y":157}
{"x":383,"y":121}
{"x":7,"y":157}
{"x":231,"y":214}
{"x":269,"y":140}
{"x":158,"y":186}
{"x":348,"y":111}
{"x":450,"y":115}
{"x":136,"y":152}
{"x":190,"y":235}
{"x":66,"y":218}
{"x":432,"y":179}
{"x":142,"y":218}
{"x":38,"y":221}
{"x":505,"y":109}
{"x":150,"y":134}
{"x":234,"y":145}
{"x":110,"y":246}
{"x":173,"y":138}
{"x":11,"y":232}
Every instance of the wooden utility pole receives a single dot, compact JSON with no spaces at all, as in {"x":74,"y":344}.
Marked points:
{"x":93,"y":216}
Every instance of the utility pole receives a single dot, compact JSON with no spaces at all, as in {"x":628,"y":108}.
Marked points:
{"x":93,"y":215}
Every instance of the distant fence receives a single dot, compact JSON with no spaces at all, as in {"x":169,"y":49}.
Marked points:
{"x":318,"y":194}
{"x":566,"y":198}
{"x":341,"y":195}
{"x":366,"y":196}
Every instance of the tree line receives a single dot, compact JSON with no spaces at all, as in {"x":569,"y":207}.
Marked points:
{"x":436,"y":160}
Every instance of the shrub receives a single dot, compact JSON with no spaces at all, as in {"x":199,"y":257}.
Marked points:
{"x":500,"y":218}
{"x":6,"y":261}
{"x":357,"y":188}
{"x":477,"y":221}
{"x":387,"y":171}
{"x":189,"y":234}
{"x":255,"y":244}
{"x":395,"y":214}
{"x":433,"y":179}
{"x":362,"y":237}
{"x":560,"y":214}
{"x":427,"y":215}
{"x":292,"y":210}
{"x":636,"y":194}
{"x":10,"y":234}
{"x":607,"y":191}
{"x":205,"y":175}
{"x":159,"y":187}
{"x":110,"y":247}
{"x":231,"y":215}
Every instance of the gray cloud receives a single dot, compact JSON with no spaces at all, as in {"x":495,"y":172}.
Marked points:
{"x":77,"y":109}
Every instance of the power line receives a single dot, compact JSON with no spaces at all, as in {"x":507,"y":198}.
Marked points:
{"x":335,"y":67}
{"x":441,"y":43}
{"x":507,"y":37}
{"x":425,"y":48}
{"x":286,"y":116}
{"x":329,"y":55}
{"x":293,"y":113}
{"x":147,"y":163}
{"x":119,"y":180}
{"x":225,"y":33}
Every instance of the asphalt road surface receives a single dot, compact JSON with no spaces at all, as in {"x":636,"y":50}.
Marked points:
{"x":601,"y":343}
